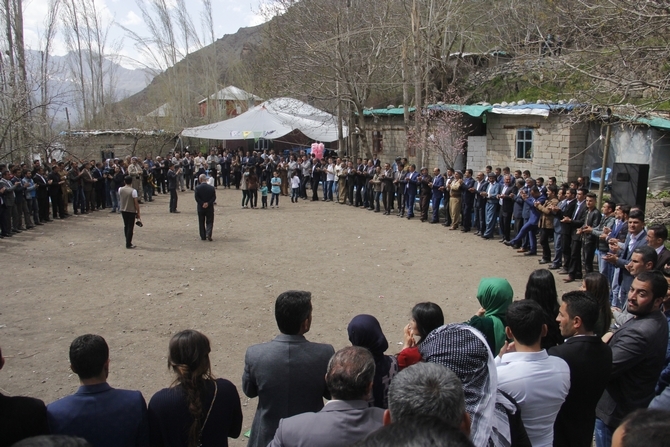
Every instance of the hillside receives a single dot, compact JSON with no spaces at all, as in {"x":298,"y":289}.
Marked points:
{"x":201,"y":72}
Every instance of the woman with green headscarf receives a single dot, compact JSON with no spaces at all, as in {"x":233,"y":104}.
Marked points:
{"x":494,"y":295}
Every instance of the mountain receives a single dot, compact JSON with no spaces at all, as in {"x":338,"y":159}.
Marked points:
{"x":120,"y":81}
{"x":201,"y":73}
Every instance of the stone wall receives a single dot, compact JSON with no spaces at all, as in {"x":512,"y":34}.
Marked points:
{"x":92,"y":146}
{"x":557,"y":150}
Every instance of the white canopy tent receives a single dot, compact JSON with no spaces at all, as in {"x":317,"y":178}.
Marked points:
{"x":270,"y":120}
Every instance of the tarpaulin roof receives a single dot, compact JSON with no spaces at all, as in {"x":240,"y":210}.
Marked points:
{"x":472,"y":110}
{"x":272,"y":119}
{"x":656,"y":121}
{"x":532,"y":109}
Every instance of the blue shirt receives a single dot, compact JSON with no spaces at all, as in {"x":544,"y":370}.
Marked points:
{"x":102,"y":415}
{"x":276,"y":181}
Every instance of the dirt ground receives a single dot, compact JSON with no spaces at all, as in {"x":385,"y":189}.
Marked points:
{"x":74,"y":276}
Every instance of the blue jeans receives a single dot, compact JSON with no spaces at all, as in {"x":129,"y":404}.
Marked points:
{"x":603,"y":434}
{"x":115,"y":200}
{"x":328,"y":190}
{"x":492,"y":209}
{"x":558,"y":249}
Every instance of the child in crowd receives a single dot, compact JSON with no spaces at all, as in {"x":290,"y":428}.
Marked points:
{"x":276,"y":189}
{"x":264,"y":195}
{"x":295,"y":187}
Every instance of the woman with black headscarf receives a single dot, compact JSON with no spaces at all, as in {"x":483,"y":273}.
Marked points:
{"x":365,"y":331}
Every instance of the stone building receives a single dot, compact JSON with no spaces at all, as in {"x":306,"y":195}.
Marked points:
{"x":538,"y":137}
{"x":103,"y":144}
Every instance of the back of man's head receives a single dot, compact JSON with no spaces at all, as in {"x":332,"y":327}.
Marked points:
{"x":525,"y":320}
{"x":581,"y":304}
{"x":350,"y":373}
{"x":416,"y":432}
{"x":292,"y":308}
{"x":427,"y":390}
{"x":127,"y":180}
{"x":88,"y":355}
{"x":643,"y":428}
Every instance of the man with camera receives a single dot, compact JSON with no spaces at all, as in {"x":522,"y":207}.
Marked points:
{"x":129,"y":204}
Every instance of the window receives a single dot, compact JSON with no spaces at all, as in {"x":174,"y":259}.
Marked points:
{"x":524,"y":143}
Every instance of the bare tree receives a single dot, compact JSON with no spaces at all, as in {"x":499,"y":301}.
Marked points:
{"x":326,"y":52}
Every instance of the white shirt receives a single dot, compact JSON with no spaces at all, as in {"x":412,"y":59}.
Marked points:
{"x":295,"y":182}
{"x":539,"y":383}
{"x":330,"y":173}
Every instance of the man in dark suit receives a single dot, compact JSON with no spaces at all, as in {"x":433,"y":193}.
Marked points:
{"x":411,"y":182}
{"x":55,"y":181}
{"x":656,"y":237}
{"x":104,"y":416}
{"x":286,"y":374}
{"x":99,"y":186}
{"x":42,"y":194}
{"x":21,"y":417}
{"x":576,"y":221}
{"x":507,"y":196}
{"x":437,"y":186}
{"x":479,"y":203}
{"x":205,"y":196}
{"x":638,"y":355}
{"x":590,"y":362}
{"x":566,"y":209}
{"x":468,"y":200}
{"x":589,"y":242}
{"x":361,"y":175}
{"x":425,"y":191}
{"x":347,"y":418}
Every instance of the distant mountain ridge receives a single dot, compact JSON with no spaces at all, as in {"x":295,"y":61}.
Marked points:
{"x":63,"y":86}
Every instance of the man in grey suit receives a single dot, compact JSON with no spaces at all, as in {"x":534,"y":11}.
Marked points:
{"x":347,"y":418}
{"x":638,"y":356}
{"x":287,"y":374}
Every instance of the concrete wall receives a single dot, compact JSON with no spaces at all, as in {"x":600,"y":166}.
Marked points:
{"x":476,"y":159}
{"x":558,"y":145}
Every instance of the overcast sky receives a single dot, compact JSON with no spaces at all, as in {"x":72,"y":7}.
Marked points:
{"x":229,"y":16}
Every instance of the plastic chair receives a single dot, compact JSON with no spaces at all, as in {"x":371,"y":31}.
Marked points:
{"x":596,"y":176}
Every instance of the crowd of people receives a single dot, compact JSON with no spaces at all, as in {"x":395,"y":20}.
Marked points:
{"x":536,"y":372}
{"x":518,"y":373}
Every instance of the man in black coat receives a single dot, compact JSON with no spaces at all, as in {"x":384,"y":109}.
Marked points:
{"x":21,"y":417}
{"x":42,"y":193}
{"x":205,"y":196}
{"x":576,"y":220}
{"x":590,"y":362}
{"x":638,"y":355}
{"x":55,"y":181}
{"x":507,"y":199}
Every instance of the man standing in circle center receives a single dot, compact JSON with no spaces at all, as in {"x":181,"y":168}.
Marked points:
{"x":205,"y":196}
{"x":129,"y":203}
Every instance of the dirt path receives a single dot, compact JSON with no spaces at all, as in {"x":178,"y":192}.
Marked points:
{"x":73,"y":277}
